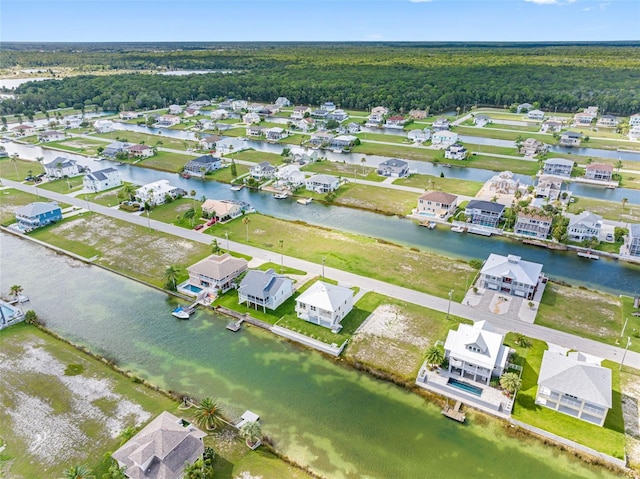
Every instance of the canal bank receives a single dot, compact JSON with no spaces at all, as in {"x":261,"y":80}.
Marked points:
{"x":341,"y":423}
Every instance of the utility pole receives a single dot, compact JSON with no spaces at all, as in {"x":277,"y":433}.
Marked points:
{"x":625,"y":352}
{"x":323,"y":260}
{"x":449,"y":307}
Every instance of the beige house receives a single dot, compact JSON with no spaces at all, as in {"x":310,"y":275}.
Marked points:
{"x":436,"y":203}
{"x":221,"y":210}
{"x":216,"y":272}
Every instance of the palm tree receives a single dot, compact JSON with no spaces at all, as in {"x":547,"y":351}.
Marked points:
{"x":128,"y":190}
{"x":190,"y":214}
{"x":624,"y":202}
{"x":363,"y":161}
{"x":510,"y":382}
{"x":246,"y":221}
{"x":79,"y":472}
{"x":40,"y":160}
{"x":619,"y":165}
{"x":14,"y":159}
{"x":215,"y":246}
{"x":15,"y":291}
{"x":208,"y":414}
{"x":193,"y":193}
{"x":171,"y":275}
{"x":434,"y":356}
{"x":252,"y":433}
{"x":281,"y":243}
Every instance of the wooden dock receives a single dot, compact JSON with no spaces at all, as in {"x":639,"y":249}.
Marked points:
{"x":235,"y":325}
{"x":454,"y":413}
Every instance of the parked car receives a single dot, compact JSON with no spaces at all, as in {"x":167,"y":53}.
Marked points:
{"x":198,"y":227}
{"x":212,"y":221}
{"x":41,"y":175}
{"x":29,"y":178}
{"x":609,"y":237}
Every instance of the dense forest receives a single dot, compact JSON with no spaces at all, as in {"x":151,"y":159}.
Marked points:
{"x":399,"y":76}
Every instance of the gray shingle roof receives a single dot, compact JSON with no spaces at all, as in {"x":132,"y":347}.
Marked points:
{"x":37,"y":208}
{"x":261,"y":284}
{"x":60,"y":161}
{"x":395,"y":163}
{"x":485,"y":206}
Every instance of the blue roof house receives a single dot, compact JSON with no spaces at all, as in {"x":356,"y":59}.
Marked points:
{"x":37,"y":215}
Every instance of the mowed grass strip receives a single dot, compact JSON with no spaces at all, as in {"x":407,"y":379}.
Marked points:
{"x":450,"y":185}
{"x":397,"y":151}
{"x":166,"y":161}
{"x":345,"y":170}
{"x":607,"y":209}
{"x":160,"y":141}
{"x":63,"y":185}
{"x":375,"y":198}
{"x":17,"y":169}
{"x":255,"y":156}
{"x":609,"y":439}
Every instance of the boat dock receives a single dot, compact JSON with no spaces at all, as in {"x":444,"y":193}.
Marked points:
{"x":235,"y":325}
{"x":454,"y":412}
{"x":588,"y":255}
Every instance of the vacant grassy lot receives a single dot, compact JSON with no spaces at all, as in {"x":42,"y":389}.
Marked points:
{"x":296,"y":139}
{"x":18,"y":170}
{"x":503,"y":135}
{"x":63,"y":185}
{"x":455,"y":186}
{"x":10,"y":200}
{"x":608,"y":439}
{"x":361,"y":255}
{"x":255,"y":156}
{"x":83,"y":146}
{"x":173,"y":212}
{"x":149,"y":139}
{"x":107,"y":198}
{"x":78,"y":418}
{"x":607,"y":209}
{"x":375,"y":198}
{"x":126,"y":248}
{"x":399,"y":151}
{"x":524,"y":128}
{"x":235,"y":132}
{"x":224,"y":174}
{"x":165,"y":161}
{"x":494,"y":163}
{"x":368,"y":137}
{"x":344,"y":170}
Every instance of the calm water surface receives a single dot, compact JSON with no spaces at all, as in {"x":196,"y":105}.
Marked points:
{"x":340,"y":422}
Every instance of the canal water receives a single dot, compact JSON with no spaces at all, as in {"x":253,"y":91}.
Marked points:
{"x":613,"y":276}
{"x":340,"y":422}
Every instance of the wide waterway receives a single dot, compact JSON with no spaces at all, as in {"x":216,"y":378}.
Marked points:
{"x":340,"y":422}
{"x":613,"y":276}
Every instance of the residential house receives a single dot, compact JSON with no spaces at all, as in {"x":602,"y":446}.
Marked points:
{"x":219,"y":114}
{"x":263,"y":171}
{"x":222,"y":210}
{"x":140,"y":151}
{"x":395,"y":121}
{"x":305,"y":124}
{"x":51,"y":135}
{"x":440,"y":124}
{"x":37,"y":214}
{"x":161,"y":449}
{"x":475,"y":352}
{"x":328,"y":106}
{"x":380,"y":110}
{"x":607,"y":121}
{"x":202,"y":165}
{"x":584,"y":226}
{"x":156,"y":193}
{"x":129,"y":115}
{"x":524,"y":107}
{"x":583,"y":119}
{"x":343,"y":142}
{"x":444,"y":138}
{"x":199,"y":103}
{"x":322,"y":183}
{"x":338,"y":115}
{"x":436,"y":203}
{"x":61,"y":167}
{"x":251,"y":118}
{"x":511,"y":275}
{"x":419,"y":136}
{"x":275,"y":133}
{"x":503,"y":183}
{"x":216,"y":272}
{"x":255,"y":107}
{"x":456,"y":152}
{"x":634,"y":133}
{"x":226,"y":105}
{"x":634,"y":120}
{"x":303,"y":155}
{"x":208,"y":142}
{"x":321,"y":139}
{"x":265,"y":112}
{"x":551,"y":126}
{"x":592,"y":110}
{"x":394,"y":168}
{"x":549,"y":186}
{"x":570,"y":138}
{"x":229,"y":145}
{"x":239,"y":105}
{"x":255,"y":131}
{"x":535,"y":115}
{"x":558,"y":167}
{"x":103,"y":126}
{"x":599,"y":172}
{"x":575,"y":384}
{"x":112,"y":149}
{"x":376,"y":117}
{"x":282,"y":102}
{"x":299,"y":112}
{"x":264,"y":289}
{"x":533,"y":223}
{"x":175,"y":109}
{"x":167,"y":121}
{"x":417,"y":114}
{"x":290,"y":175}
{"x":320,"y":114}
{"x":102,"y":180}
{"x":481,"y":120}
{"x":633,"y":240}
{"x":72,"y":122}
{"x":353,"y":127}
{"x":325,"y":304}
{"x":531,"y":147}
{"x":191,"y":111}
{"x":484,"y":213}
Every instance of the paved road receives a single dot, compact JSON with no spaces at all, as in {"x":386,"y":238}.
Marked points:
{"x":532,"y":330}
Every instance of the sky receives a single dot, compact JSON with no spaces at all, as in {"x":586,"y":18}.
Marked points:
{"x":318,"y":20}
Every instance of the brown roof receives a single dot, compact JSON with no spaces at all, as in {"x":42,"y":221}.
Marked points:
{"x":600,"y":166}
{"x":535,"y":214}
{"x":219,"y":267}
{"x":439,"y":197}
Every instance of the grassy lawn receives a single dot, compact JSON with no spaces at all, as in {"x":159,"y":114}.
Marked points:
{"x":366,"y":137}
{"x":148,"y":139}
{"x":18,"y":170}
{"x":10,"y":200}
{"x":230,"y":300}
{"x":494,"y":163}
{"x":145,"y":256}
{"x":84,"y":146}
{"x":503,"y":135}
{"x":344,"y":170}
{"x":607,"y":209}
{"x":281,"y":270}
{"x":255,"y":156}
{"x":165,"y":161}
{"x":173,"y":212}
{"x":375,"y":198}
{"x":406,"y":152}
{"x":532,"y":129}
{"x":106,"y":198}
{"x":361,"y":255}
{"x":57,"y":401}
{"x":493,"y":150}
{"x":63,"y":185}
{"x":224,"y":175}
{"x":235,"y":132}
{"x":608,"y":439}
{"x":295,"y":139}
{"x":455,"y":186}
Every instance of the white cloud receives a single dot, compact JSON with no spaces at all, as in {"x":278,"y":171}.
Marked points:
{"x":586,"y":9}
{"x":604,"y":5}
{"x":419,"y":1}
{"x":543,"y":2}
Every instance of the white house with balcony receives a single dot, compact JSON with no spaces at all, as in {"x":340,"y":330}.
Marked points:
{"x":103,"y":126}
{"x":156,"y":193}
{"x":444,"y":138}
{"x":511,"y":275}
{"x":102,"y":180}
{"x":322,"y":183}
{"x":62,"y":167}
{"x":264,"y":289}
{"x":584,"y":226}
{"x":325,"y":304}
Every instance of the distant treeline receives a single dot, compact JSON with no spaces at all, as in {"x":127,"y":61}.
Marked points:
{"x":358,"y":76}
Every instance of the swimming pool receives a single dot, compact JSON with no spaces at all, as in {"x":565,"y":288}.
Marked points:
{"x":466,"y":387}
{"x":192,"y":288}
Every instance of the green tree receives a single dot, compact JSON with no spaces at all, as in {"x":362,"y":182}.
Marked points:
{"x":171,"y":275}
{"x":511,"y":383}
{"x":246,"y":221}
{"x":15,"y":291}
{"x":208,"y":414}
{"x":434,"y":356}
{"x":252,"y":433}
{"x":114,"y":471}
{"x":624,"y":202}
{"x":215,"y":246}
{"x":127,"y":191}
{"x":233,"y":169}
{"x":31,"y":317}
{"x":190,"y":214}
{"x":79,"y":472}
{"x":619,"y":233}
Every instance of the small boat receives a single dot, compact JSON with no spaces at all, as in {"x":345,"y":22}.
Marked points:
{"x":304,"y":201}
{"x":180,"y":313}
{"x":22,"y":298}
{"x":281,"y":196}
{"x":610,"y":187}
{"x":186,"y":175}
{"x":457,"y":229}
{"x":588,"y":255}
{"x":236,"y":187}
{"x":446,"y":165}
